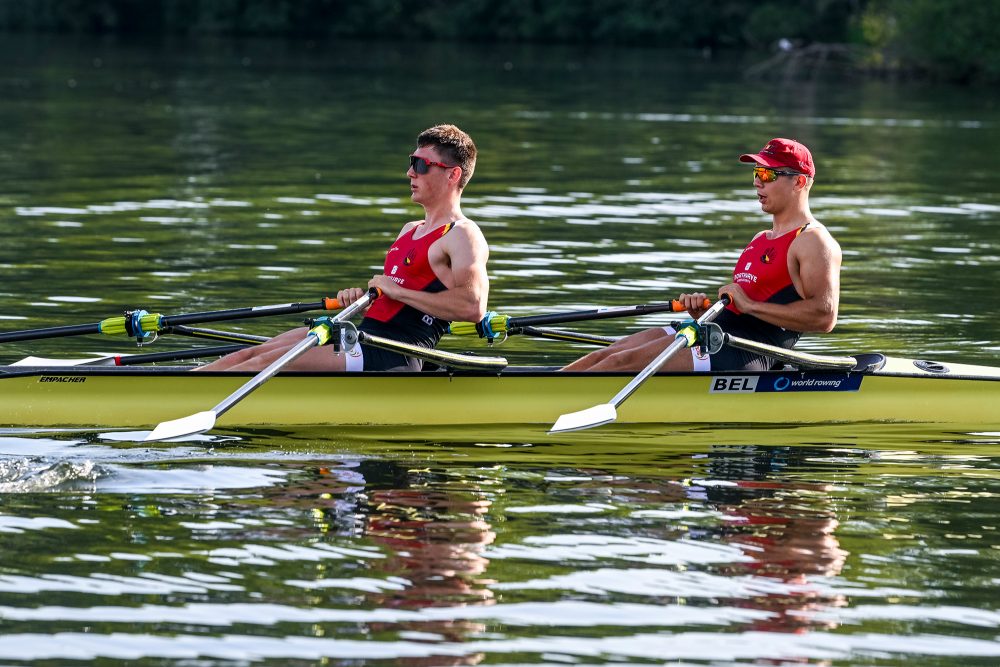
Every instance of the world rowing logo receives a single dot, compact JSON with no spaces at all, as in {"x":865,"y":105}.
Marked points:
{"x":784,"y":383}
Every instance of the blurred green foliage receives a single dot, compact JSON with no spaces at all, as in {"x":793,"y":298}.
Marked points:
{"x":953,"y":40}
{"x":948,"y":39}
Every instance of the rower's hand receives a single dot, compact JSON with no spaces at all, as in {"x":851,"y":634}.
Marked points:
{"x":740,"y":301}
{"x":386,"y":285}
{"x":348,"y":296}
{"x":694,"y":304}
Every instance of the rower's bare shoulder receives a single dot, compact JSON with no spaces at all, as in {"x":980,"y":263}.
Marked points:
{"x":408,"y":226}
{"x":468,"y":227}
{"x":467,"y":233}
{"x":817,"y":238}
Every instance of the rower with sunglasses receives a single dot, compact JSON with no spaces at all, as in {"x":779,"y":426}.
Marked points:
{"x":434,"y":272}
{"x":786,"y":281}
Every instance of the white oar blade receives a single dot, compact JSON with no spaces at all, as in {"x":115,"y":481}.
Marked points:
{"x":185,"y":426}
{"x":598,"y":415}
{"x":45,"y":361}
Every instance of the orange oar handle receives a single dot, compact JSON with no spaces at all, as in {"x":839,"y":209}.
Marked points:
{"x":335,"y":304}
{"x":679,"y":307}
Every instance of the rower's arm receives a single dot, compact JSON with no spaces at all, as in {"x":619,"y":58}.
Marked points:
{"x":814,"y":262}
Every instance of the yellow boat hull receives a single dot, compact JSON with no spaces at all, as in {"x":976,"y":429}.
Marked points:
{"x":135,"y":397}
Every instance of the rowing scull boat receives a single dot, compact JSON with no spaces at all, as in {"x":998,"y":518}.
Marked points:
{"x":878,"y":389}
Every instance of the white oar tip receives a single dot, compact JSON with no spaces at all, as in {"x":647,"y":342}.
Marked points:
{"x":584,"y":419}
{"x":179,"y":428}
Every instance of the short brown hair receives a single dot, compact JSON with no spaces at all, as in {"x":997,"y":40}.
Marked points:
{"x":454,"y":145}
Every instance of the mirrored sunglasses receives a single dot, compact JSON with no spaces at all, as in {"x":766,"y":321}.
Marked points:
{"x":769,"y":175}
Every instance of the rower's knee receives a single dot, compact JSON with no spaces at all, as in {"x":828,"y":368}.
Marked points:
{"x":588,"y":361}
{"x":626,"y":360}
{"x":631,"y":358}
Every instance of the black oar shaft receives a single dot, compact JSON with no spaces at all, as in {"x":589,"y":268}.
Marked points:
{"x":596,"y":314}
{"x":567,"y":336}
{"x":50,"y":332}
{"x":246,"y":313}
{"x":176,"y":355}
{"x":215,"y":334}
{"x":171,"y":320}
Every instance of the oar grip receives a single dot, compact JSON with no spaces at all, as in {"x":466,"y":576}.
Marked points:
{"x":335,"y":304}
{"x":680,"y":308}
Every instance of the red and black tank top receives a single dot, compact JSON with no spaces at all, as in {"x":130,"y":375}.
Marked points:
{"x":762,"y":272}
{"x":408,"y":264}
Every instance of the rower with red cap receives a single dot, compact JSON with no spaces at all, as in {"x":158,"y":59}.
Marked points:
{"x":785,"y":283}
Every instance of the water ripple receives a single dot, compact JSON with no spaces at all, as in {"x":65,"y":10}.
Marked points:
{"x":33,"y":475}
{"x":698,"y":646}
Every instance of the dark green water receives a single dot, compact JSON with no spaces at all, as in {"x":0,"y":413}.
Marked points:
{"x":197,"y":176}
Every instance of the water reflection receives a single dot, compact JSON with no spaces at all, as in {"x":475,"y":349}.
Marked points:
{"x":425,"y":535}
{"x":435,"y":541}
{"x":791,"y":544}
{"x":732,"y":533}
{"x":571,"y":553}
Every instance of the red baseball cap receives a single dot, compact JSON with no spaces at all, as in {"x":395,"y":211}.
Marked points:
{"x":786,"y":153}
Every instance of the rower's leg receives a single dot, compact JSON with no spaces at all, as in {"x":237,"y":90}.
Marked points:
{"x":249,"y":356}
{"x":637,"y":358}
{"x":315,"y":359}
{"x":620,"y":350}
